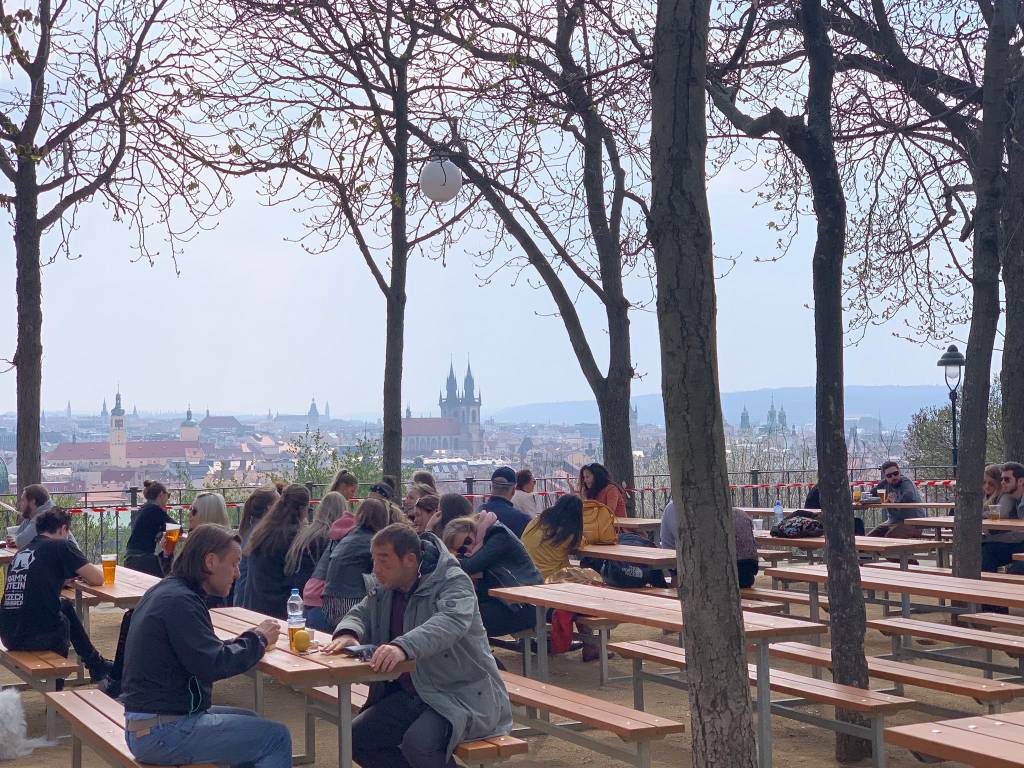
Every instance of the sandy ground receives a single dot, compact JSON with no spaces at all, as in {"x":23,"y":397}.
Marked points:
{"x":795,"y":744}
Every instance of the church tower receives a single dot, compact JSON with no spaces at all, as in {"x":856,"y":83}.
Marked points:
{"x":118,"y":439}
{"x":469,"y":415}
{"x":313,"y":415}
{"x":189,"y":430}
{"x":745,"y":420}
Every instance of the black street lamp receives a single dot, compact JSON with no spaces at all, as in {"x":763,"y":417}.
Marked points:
{"x":953,"y":362}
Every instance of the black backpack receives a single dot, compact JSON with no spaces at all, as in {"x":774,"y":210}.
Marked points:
{"x":631,"y":575}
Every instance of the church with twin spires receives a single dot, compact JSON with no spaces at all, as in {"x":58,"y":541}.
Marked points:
{"x":457,"y":431}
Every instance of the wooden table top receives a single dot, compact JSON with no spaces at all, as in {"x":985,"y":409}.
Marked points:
{"x":645,"y":610}
{"x":995,"y":741}
{"x":299,"y":669}
{"x":915,"y":583}
{"x":872,"y":544}
{"x":906,"y":504}
{"x":128,"y":588}
{"x":638,"y":523}
{"x":948,"y":521}
{"x":655,"y":557}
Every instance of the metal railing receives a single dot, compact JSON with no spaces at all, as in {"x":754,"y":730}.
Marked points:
{"x":103,"y":528}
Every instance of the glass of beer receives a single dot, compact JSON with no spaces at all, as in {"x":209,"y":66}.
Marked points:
{"x":881,"y":495}
{"x":109,"y":568}
{"x":993,"y":511}
{"x":856,"y":495}
{"x":294,"y":625}
{"x":172,"y":531}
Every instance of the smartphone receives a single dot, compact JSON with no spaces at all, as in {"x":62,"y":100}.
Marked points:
{"x":364,"y":652}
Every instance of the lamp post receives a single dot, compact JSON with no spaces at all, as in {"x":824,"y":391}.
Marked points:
{"x":953,"y":362}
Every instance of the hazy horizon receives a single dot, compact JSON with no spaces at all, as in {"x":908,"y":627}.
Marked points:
{"x":254,"y":322}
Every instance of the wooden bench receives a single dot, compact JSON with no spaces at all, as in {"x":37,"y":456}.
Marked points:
{"x":991,"y":693}
{"x":773,"y":556}
{"x":871,"y":704}
{"x":785,"y":596}
{"x":1002,"y":578}
{"x":638,"y":729}
{"x":97,"y":721}
{"x":993,"y":620}
{"x":42,"y":671}
{"x":480,"y":752}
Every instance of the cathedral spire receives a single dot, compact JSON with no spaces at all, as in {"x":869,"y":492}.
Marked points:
{"x":468,"y":385}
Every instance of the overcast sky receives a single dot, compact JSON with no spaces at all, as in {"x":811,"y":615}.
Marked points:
{"x":254,"y":323}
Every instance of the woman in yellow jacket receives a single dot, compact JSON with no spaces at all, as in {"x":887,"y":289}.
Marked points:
{"x":560,"y":530}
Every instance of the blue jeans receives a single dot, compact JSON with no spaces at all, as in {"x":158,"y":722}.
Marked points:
{"x":220,"y":735}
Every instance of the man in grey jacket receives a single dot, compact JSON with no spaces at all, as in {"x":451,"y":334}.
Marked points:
{"x":898,"y":490}
{"x":421,"y":605}
{"x":34,"y":500}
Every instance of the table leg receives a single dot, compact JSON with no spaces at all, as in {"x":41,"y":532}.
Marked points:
{"x":344,"y":725}
{"x":764,"y":707}
{"x":80,"y":609}
{"x":542,"y":643}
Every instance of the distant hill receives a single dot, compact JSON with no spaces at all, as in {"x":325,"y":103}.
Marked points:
{"x":893,"y":404}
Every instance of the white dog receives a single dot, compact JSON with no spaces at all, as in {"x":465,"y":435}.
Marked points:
{"x":13,"y":739}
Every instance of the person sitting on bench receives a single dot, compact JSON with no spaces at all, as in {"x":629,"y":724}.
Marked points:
{"x":33,"y":615}
{"x":421,"y":606}
{"x":172,"y":658}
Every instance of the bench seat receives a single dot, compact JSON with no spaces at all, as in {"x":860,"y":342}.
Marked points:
{"x":475,"y":753}
{"x":753,"y":606}
{"x":992,"y":693}
{"x":993,"y":620}
{"x":1002,"y":578}
{"x":873,"y":705}
{"x":40,"y":671}
{"x":1012,"y":645}
{"x":98,"y":721}
{"x":785,"y":596}
{"x":773,"y":556}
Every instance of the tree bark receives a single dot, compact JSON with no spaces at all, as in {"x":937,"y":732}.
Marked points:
{"x":1013,"y":275}
{"x":987,"y":172}
{"x":395,"y":298}
{"x":846,"y":600}
{"x":28,"y":358}
{"x":680,"y":227}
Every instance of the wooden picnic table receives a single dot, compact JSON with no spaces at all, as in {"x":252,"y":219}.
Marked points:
{"x":874,"y":545}
{"x":305,"y":670}
{"x":907,"y":583}
{"x":949,"y":521}
{"x":651,"y":611}
{"x":905,"y":505}
{"x":127,"y":590}
{"x":655,"y":557}
{"x":995,"y":741}
{"x":638,"y":523}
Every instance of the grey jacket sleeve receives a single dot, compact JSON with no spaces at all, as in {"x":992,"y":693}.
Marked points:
{"x":356,"y":621}
{"x":26,"y":532}
{"x":454,"y":610}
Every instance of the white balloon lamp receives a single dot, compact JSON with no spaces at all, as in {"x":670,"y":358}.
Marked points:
{"x":440,"y":180}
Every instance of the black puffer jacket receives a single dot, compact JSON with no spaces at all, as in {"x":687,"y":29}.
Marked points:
{"x":503,"y":561}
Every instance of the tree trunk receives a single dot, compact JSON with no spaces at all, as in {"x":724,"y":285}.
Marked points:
{"x":680,"y":228}
{"x":1013,"y":276}
{"x":613,"y":407}
{"x":28,"y":358}
{"x":395,"y":343}
{"x":846,"y":600}
{"x":987,"y":172}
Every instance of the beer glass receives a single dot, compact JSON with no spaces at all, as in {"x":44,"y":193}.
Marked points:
{"x":109,"y":568}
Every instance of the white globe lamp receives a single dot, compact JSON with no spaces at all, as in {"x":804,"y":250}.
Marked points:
{"x":440,"y":180}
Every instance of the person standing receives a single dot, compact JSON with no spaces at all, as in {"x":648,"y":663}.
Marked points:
{"x":503,"y":486}
{"x":33,"y":615}
{"x":421,"y":606}
{"x":268,"y":585}
{"x":173,"y":658}
{"x":150,"y":523}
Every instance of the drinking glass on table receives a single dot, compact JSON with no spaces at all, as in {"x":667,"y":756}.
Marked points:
{"x":172,"y":531}
{"x":109,"y":568}
{"x":881,"y":495}
{"x":992,"y":512}
{"x":856,"y":495}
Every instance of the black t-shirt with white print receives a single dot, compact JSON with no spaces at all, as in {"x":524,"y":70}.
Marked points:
{"x":31,"y":602}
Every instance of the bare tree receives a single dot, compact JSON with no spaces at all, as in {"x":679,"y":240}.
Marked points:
{"x":552,"y":101}
{"x":680,"y":228}
{"x":319,"y":99}
{"x":812,"y":143}
{"x":92,"y":110}
{"x":975,"y":118}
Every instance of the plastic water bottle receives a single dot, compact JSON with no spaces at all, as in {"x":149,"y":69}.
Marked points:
{"x":776,"y":511}
{"x":295,"y":617}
